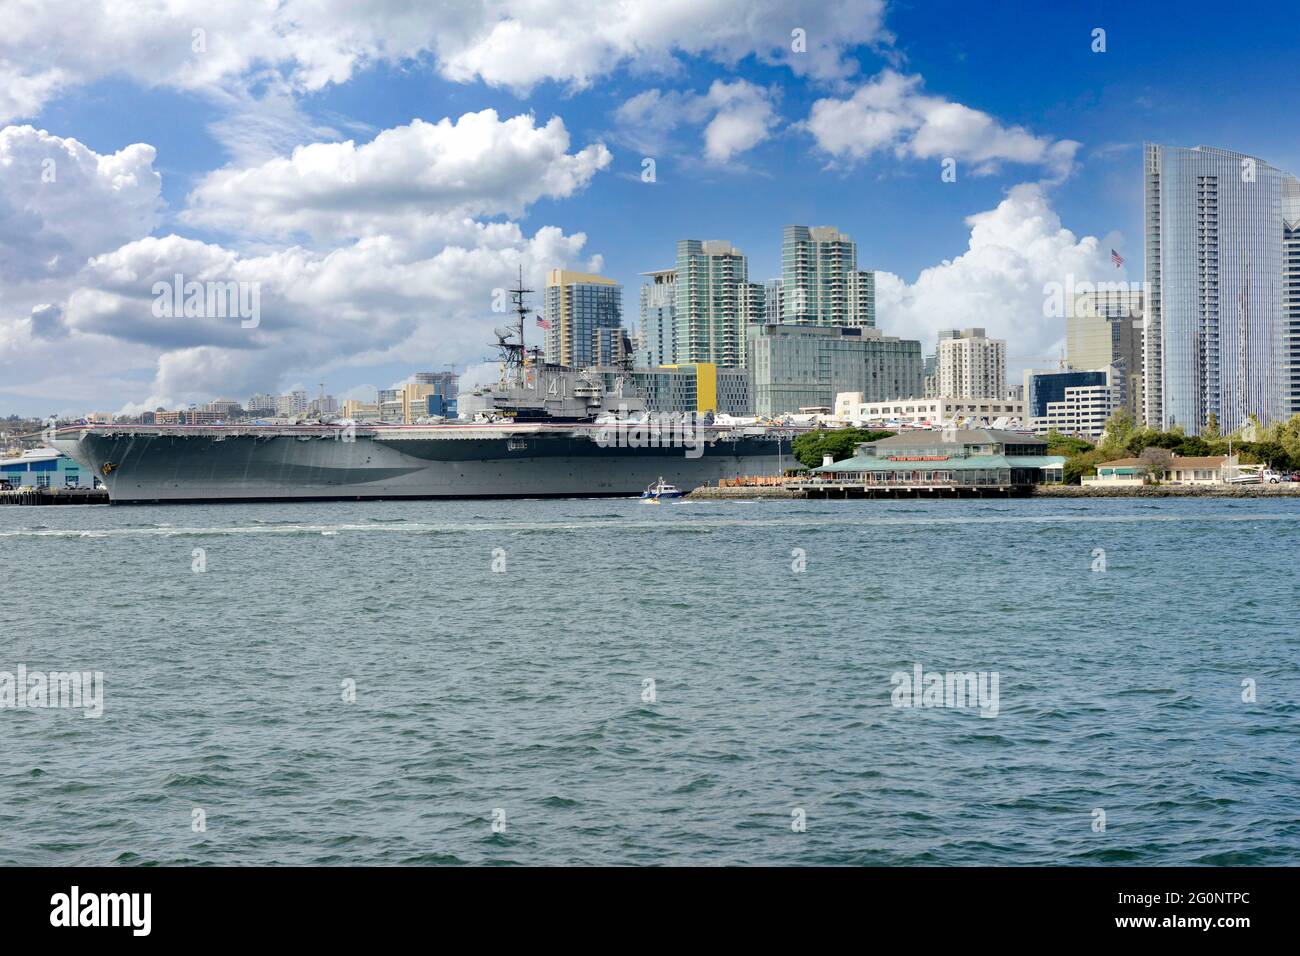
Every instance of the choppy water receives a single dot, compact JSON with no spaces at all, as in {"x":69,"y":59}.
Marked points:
{"x":523,"y":690}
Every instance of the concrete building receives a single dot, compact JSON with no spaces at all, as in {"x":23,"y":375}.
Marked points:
{"x":715,"y":303}
{"x":292,"y":404}
{"x":657,"y":340}
{"x":820,"y":281}
{"x":1217,"y":338}
{"x":793,"y":367}
{"x":970,"y":365}
{"x":186,"y":416}
{"x":854,"y":408}
{"x":262,"y":404}
{"x":1082,"y":411}
{"x":1041,"y":388}
{"x":1103,"y":328}
{"x":575,"y":305}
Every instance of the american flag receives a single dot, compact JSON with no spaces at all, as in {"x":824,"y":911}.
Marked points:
{"x":543,"y":323}
{"x":1116,"y":258}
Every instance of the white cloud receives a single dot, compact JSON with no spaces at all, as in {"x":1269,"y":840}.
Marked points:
{"x":891,"y":113}
{"x":736,"y":117}
{"x":312,"y":43}
{"x":417,"y":176}
{"x":61,"y":203}
{"x":1014,"y":251}
{"x":404,"y":275}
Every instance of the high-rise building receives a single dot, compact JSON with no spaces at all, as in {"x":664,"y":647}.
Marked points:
{"x":773,"y":301}
{"x":262,"y":404}
{"x":804,"y":366}
{"x":715,"y":303}
{"x":1103,"y":328}
{"x":1217,"y":340}
{"x":1291,"y":292}
{"x":611,"y":347}
{"x":575,"y":304}
{"x":446,"y":385}
{"x":656,"y":341}
{"x":821,"y":284}
{"x":291,"y":404}
{"x":970,"y":365}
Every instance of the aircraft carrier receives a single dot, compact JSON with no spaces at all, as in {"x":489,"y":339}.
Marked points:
{"x":541,"y":431}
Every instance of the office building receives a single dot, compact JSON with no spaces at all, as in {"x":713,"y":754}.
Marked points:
{"x":969,"y":364}
{"x":795,"y":367}
{"x":1103,"y":328}
{"x":1217,"y":337}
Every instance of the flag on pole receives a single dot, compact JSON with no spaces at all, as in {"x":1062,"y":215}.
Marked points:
{"x":1116,"y":258}
{"x":543,"y":323}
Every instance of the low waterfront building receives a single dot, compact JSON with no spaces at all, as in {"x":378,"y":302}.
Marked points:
{"x":972,"y":412}
{"x":44,"y":468}
{"x":1207,"y":470}
{"x":950,"y":462}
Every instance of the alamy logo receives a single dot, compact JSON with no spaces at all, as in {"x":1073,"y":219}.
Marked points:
{"x":208,"y":300}
{"x":70,"y":690}
{"x":655,"y":430}
{"x":958,"y":689}
{"x":103,"y":909}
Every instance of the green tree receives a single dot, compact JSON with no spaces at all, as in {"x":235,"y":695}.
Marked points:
{"x":1080,"y":465}
{"x":1211,"y":430}
{"x":839,"y":443}
{"x":1066,"y":445}
{"x":1118,"y":430}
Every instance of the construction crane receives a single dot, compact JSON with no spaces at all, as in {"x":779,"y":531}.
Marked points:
{"x":1059,"y":359}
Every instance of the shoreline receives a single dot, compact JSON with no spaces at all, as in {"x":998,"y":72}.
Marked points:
{"x":1288,"y":490}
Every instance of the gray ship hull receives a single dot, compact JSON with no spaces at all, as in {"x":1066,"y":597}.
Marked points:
{"x":200,"y":464}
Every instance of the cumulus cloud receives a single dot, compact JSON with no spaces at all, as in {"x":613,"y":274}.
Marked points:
{"x":61,"y":202}
{"x":424,"y":172}
{"x":399,"y":268}
{"x":891,"y":113}
{"x":1015,"y":250}
{"x":735,"y":116}
{"x":202,"y":46}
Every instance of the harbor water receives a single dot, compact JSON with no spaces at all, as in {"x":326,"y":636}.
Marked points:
{"x":611,"y":682}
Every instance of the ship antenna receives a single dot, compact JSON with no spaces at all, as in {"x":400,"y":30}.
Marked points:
{"x":522,"y":310}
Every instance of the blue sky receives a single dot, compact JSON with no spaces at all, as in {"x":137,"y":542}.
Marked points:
{"x":344,"y":261}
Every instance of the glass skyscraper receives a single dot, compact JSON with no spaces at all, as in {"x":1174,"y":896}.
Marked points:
{"x":575,"y":306}
{"x":1216,"y":342}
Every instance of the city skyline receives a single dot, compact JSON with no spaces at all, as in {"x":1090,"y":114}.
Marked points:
{"x":426,"y":176}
